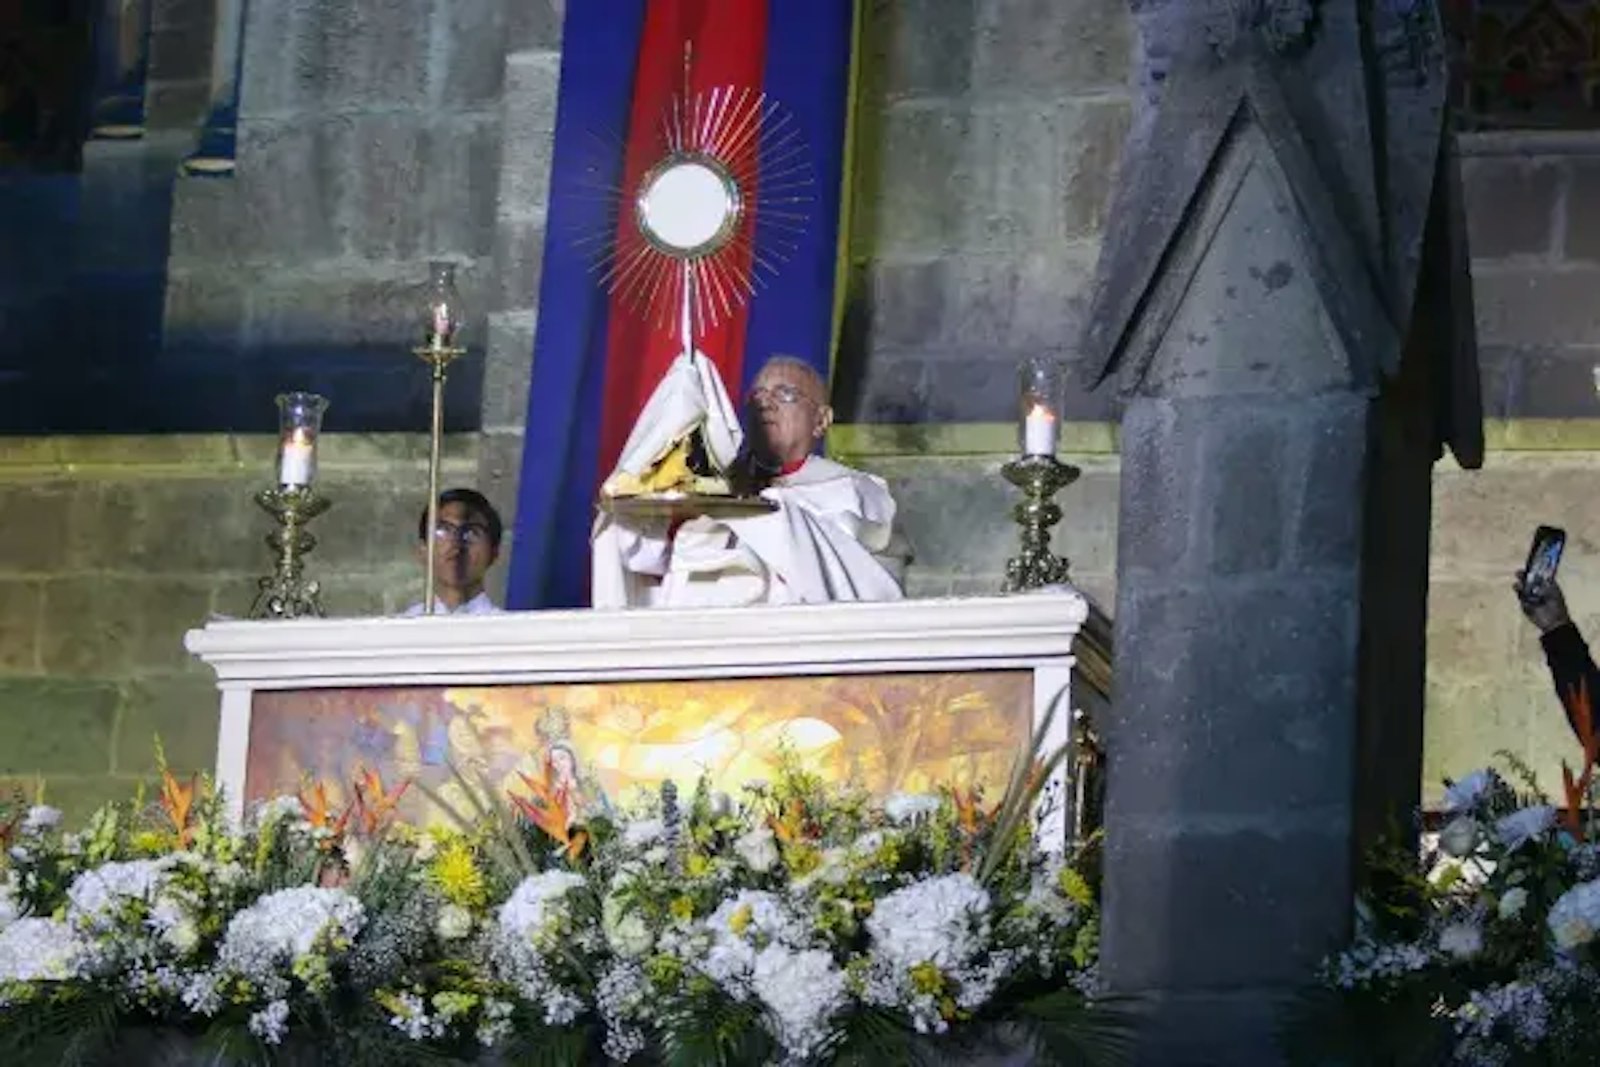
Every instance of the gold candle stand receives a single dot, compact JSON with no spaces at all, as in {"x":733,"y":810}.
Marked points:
{"x":1039,"y":478}
{"x":438,"y":355}
{"x":286,"y":594}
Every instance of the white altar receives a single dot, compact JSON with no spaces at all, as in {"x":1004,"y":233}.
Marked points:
{"x":898,"y":694}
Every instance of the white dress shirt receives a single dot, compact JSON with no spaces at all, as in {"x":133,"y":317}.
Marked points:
{"x":478,"y":605}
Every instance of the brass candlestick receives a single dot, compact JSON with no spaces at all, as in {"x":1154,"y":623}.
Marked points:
{"x":1039,"y":478}
{"x":286,"y":594}
{"x":441,"y":323}
{"x":438,"y":355}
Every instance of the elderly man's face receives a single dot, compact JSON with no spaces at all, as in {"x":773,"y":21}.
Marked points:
{"x":788,"y":409}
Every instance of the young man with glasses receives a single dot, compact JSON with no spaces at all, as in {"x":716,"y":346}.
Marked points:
{"x":465,"y":544}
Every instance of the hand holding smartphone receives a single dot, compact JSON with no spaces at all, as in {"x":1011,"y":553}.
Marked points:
{"x":1544,"y":557}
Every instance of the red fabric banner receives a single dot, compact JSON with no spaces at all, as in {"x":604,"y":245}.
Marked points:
{"x":726,"y":42}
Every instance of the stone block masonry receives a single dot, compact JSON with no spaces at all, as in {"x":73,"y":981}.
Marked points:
{"x":114,"y":547}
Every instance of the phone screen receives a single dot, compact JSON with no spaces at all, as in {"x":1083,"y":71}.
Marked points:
{"x":1544,"y":557}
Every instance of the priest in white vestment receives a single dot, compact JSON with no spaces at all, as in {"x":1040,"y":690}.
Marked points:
{"x":816,"y":546}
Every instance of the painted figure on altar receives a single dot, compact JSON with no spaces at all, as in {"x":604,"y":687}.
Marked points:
{"x":816,"y":543}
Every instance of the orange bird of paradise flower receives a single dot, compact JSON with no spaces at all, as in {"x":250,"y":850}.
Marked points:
{"x":375,"y":805}
{"x":1580,"y":710}
{"x":550,"y":809}
{"x":177,"y":802}
{"x":318,"y":808}
{"x":793,"y":826}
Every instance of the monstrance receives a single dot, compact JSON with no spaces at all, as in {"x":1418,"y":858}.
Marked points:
{"x":708,"y":225}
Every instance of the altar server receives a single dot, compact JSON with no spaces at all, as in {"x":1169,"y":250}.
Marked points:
{"x":816,"y":546}
{"x":465,"y":543}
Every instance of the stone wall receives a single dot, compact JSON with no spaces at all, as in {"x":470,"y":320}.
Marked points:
{"x":114,"y":547}
{"x":987,"y":138}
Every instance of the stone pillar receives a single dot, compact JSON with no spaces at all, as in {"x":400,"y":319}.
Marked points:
{"x":1254,"y":296}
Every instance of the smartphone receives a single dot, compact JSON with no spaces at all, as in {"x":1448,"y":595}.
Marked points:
{"x":1543,"y":558}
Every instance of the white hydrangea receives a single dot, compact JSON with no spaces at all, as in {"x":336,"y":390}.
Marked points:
{"x":40,"y":818}
{"x":1521,"y":827}
{"x":905,"y":808}
{"x":1463,"y":940}
{"x":40,"y":950}
{"x":271,"y":1022}
{"x":802,"y":990}
{"x":533,"y":922}
{"x":267,"y":938}
{"x":97,"y":896}
{"x":534,"y":909}
{"x":622,"y":999}
{"x":10,"y":906}
{"x":1464,"y":794}
{"x":942,"y":921}
{"x":642,"y":832}
{"x":1575,"y":917}
{"x":172,"y":922}
{"x":741,"y":926}
{"x":1518,"y":1011}
{"x":1367,"y":962}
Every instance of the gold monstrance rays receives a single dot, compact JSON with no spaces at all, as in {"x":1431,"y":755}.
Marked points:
{"x":713,"y":220}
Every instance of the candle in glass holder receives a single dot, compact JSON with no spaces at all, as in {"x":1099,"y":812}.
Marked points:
{"x":297,"y":461}
{"x":1039,"y":432}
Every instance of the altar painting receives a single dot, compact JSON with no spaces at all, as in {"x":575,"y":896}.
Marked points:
{"x":888,"y":733}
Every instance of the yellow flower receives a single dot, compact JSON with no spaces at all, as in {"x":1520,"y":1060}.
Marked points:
{"x":739,"y":921}
{"x":926,"y":978}
{"x":1075,"y":888}
{"x":802,"y":859}
{"x":149,"y":843}
{"x":696,"y":865}
{"x":457,"y":876}
{"x":682,"y":909}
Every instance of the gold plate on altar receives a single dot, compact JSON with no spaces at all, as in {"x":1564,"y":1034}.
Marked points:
{"x":673,"y":506}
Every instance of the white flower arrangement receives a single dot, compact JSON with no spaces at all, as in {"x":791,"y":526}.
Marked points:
{"x":1484,"y":947}
{"x":689,"y":923}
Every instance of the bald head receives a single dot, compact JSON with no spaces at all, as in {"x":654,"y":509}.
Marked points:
{"x":788,"y":408}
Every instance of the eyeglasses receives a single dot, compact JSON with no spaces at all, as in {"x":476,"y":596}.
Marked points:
{"x":470,"y":533}
{"x":782,"y":393}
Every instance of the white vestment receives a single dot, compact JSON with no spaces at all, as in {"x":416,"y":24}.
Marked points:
{"x":816,"y":547}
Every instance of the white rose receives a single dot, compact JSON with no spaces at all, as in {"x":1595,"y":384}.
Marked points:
{"x":454,"y":923}
{"x":1513,"y":902}
{"x":758,"y":849}
{"x":1459,"y":838}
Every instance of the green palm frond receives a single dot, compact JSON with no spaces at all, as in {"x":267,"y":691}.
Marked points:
{"x":719,"y":1032}
{"x":1065,"y":1028}
{"x":872,"y":1037}
{"x":1326,"y":1028}
{"x":1029,"y":774}
{"x":74,"y":1028}
{"x":550,"y":1047}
